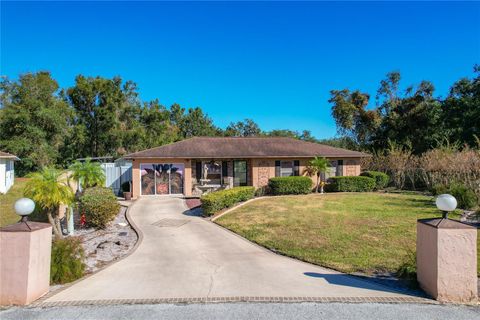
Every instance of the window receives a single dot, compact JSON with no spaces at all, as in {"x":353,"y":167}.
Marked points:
{"x":287,"y":168}
{"x":339,"y":168}
{"x":211,"y":173}
{"x":239,"y":173}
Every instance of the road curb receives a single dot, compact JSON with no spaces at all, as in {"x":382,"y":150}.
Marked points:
{"x":236,"y":299}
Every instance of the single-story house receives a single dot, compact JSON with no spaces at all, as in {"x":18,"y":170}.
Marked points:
{"x":196,"y":165}
{"x":7,"y":174}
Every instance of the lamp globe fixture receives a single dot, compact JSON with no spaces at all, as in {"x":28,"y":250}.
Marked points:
{"x":24,"y":207}
{"x":446,"y":203}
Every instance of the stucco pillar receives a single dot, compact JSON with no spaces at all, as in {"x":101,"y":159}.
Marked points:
{"x":447,"y":260}
{"x":187,"y":178}
{"x":25,"y":250}
{"x":135,"y":179}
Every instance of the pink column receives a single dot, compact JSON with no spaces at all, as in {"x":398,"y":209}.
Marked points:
{"x":25,"y":251}
{"x":447,"y":259}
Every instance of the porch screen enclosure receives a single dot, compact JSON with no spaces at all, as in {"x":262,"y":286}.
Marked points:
{"x":162,"y":178}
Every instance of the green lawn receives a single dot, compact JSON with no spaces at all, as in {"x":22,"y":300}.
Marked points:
{"x":7,"y":214}
{"x":349,"y":232}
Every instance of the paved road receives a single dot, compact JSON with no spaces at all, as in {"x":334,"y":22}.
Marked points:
{"x":234,"y":311}
{"x":184,"y":256}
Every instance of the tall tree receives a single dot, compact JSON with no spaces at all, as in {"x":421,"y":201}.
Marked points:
{"x":245,"y":128}
{"x":33,"y":120}
{"x":412,"y":120}
{"x":157,"y":126}
{"x":194,"y":123}
{"x":103,"y":110}
{"x":409,"y":119}
{"x":351,"y":115}
{"x":305,"y":135}
{"x":283,"y":133}
{"x":461,"y":110}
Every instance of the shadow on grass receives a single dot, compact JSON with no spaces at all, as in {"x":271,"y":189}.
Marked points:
{"x":387,"y":284}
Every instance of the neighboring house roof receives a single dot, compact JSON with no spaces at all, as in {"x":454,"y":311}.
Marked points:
{"x":240,"y":147}
{"x":5,"y":155}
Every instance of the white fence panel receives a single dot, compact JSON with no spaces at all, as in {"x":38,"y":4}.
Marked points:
{"x":115,"y":175}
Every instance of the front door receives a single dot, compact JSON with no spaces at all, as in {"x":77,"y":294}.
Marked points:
{"x":161,"y":178}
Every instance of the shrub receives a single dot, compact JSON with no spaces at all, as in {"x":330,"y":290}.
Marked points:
{"x":350,"y":184}
{"x":290,"y":185}
{"x":439,"y":189}
{"x":381,"y":179}
{"x":466,"y":197}
{"x":67,"y":261}
{"x":262,"y":191}
{"x":218,"y":200}
{"x":99,"y":205}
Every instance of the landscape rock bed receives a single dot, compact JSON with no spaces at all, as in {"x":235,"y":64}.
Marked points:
{"x":104,"y":246}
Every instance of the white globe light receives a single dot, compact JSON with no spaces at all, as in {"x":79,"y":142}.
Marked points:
{"x":24,"y":206}
{"x":446,"y":202}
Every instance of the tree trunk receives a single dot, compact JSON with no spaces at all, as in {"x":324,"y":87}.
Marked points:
{"x":56,"y":230}
{"x":318,"y":182}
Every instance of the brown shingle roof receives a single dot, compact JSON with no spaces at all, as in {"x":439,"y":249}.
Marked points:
{"x":228,"y":147}
{"x":5,"y":155}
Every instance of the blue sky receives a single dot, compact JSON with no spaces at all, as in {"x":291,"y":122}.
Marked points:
{"x":272,"y":62}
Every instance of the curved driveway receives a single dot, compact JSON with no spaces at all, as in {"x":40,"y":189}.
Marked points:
{"x":183,"y":256}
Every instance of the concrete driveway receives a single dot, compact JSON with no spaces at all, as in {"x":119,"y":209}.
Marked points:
{"x":184,"y":256}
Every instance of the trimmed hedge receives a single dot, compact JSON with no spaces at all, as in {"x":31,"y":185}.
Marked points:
{"x":67,"y":261}
{"x":218,"y":200}
{"x":350,"y":184}
{"x":99,"y":205}
{"x":381,"y":179}
{"x":290,"y":185}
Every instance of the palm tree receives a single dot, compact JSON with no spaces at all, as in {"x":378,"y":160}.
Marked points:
{"x":317,"y":166}
{"x":87,"y":174}
{"x":49,"y":189}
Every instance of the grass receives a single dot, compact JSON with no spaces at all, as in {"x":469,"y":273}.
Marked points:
{"x":350,"y":232}
{"x":7,"y":213}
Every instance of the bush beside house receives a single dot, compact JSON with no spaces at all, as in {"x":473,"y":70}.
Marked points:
{"x":350,"y":184}
{"x":216,"y":201}
{"x":381,"y":179}
{"x":290,"y":185}
{"x":99,"y":205}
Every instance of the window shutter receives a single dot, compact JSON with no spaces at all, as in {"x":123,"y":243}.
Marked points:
{"x":224,"y":169}
{"x":277,"y":168}
{"x":198,"y":170}
{"x":296,"y":167}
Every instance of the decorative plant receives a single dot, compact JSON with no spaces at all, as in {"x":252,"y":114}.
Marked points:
{"x":87,"y":174}
{"x":49,"y":189}
{"x":68,"y":258}
{"x":316,"y":167}
{"x":99,"y":205}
